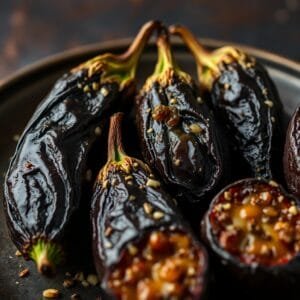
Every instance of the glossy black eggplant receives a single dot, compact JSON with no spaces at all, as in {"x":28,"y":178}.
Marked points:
{"x":246,"y":101}
{"x":43,"y":182}
{"x":291,"y":158}
{"x":138,"y":232}
{"x":179,"y":136}
{"x":253,"y":229}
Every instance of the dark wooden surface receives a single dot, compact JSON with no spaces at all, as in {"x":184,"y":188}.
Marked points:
{"x":31,"y":30}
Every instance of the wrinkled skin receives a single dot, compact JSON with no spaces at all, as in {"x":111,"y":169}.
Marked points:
{"x":43,"y":182}
{"x":193,"y":162}
{"x":238,"y":97}
{"x":291,"y":159}
{"x":112,"y":207}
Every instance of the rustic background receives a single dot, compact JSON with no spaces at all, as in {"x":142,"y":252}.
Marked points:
{"x":30,"y":30}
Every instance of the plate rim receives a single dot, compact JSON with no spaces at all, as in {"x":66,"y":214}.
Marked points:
{"x":74,"y":53}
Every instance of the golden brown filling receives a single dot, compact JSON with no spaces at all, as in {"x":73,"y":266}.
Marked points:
{"x":257,"y":224}
{"x":165,"y":265}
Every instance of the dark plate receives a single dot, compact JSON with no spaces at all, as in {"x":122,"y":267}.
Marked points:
{"x":19,"y":96}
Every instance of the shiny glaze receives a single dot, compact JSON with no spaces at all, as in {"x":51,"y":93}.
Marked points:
{"x":128,"y":203}
{"x":43,"y":182}
{"x":247,"y":101}
{"x":291,"y":159}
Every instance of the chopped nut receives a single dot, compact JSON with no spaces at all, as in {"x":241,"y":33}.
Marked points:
{"x":51,"y":293}
{"x":108,"y":231}
{"x":135,"y":165}
{"x":293,"y":210}
{"x":24,"y":273}
{"x":95,"y":86}
{"x":68,"y":283}
{"x":273,"y":119}
{"x":98,"y":131}
{"x":195,"y":128}
{"x":191,"y":271}
{"x":270,"y":211}
{"x":264,"y":250}
{"x":92,"y":279}
{"x":85,"y":284}
{"x":280,"y":198}
{"x":226,"y":206}
{"x":104,"y":91}
{"x":79,"y":85}
{"x":173,"y":101}
{"x":148,"y":208}
{"x":227,"y":195}
{"x":79,"y":276}
{"x":269,"y":103}
{"x":132,"y":197}
{"x":18,"y":253}
{"x":150,"y":130}
{"x":158,"y":215}
{"x":273,"y":183}
{"x":265,"y":196}
{"x":152,"y":183}
{"x":132,"y":249}
{"x":86,"y":89}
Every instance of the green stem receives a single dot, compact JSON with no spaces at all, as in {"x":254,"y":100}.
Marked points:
{"x":116,"y":152}
{"x":47,"y":255}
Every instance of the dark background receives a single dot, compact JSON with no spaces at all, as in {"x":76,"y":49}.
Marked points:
{"x":31,"y":30}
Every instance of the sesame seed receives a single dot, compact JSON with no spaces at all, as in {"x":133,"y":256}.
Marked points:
{"x":265,"y":91}
{"x":16,"y":137}
{"x":158,"y":215}
{"x":95,"y":86}
{"x":280,"y":198}
{"x":147,"y":208}
{"x":273,"y":119}
{"x":79,"y":85}
{"x":177,"y":162}
{"x":86,"y":89}
{"x":148,"y":110}
{"x":226,"y":86}
{"x":195,"y":128}
{"x":199,"y":100}
{"x":173,"y":101}
{"x":227,"y":195}
{"x":24,"y":273}
{"x":132,"y":249}
{"x":135,"y":164}
{"x":108,"y":245}
{"x":152,"y":183}
{"x":51,"y":293}
{"x":18,"y":253}
{"x":92,"y":279}
{"x":269,"y":103}
{"x":108,"y":231}
{"x":129,"y":182}
{"x":273,"y":183}
{"x":293,"y":210}
{"x":98,"y":131}
{"x":150,"y":130}
{"x":132,"y":197}
{"x":104,"y":91}
{"x":79,"y":276}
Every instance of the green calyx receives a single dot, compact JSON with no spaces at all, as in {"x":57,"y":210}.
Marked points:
{"x":208,"y":62}
{"x":166,"y":66}
{"x":47,"y":255}
{"x":121,"y":68}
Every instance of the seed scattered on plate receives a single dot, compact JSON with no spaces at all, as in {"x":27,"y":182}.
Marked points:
{"x":51,"y":293}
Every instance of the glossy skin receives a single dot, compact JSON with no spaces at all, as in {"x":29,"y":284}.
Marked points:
{"x":128,"y":204}
{"x":188,"y":153}
{"x":43,"y":182}
{"x":291,"y":159}
{"x":247,"y":101}
{"x":256,"y":272}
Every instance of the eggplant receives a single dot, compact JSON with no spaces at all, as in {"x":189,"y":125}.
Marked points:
{"x":42,"y":186}
{"x":179,"y":136}
{"x":142,"y":247}
{"x":253,"y":230}
{"x":245,"y":100}
{"x":291,"y":158}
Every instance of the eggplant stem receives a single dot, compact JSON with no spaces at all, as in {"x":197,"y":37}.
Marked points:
{"x":47,"y":255}
{"x":116,"y":151}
